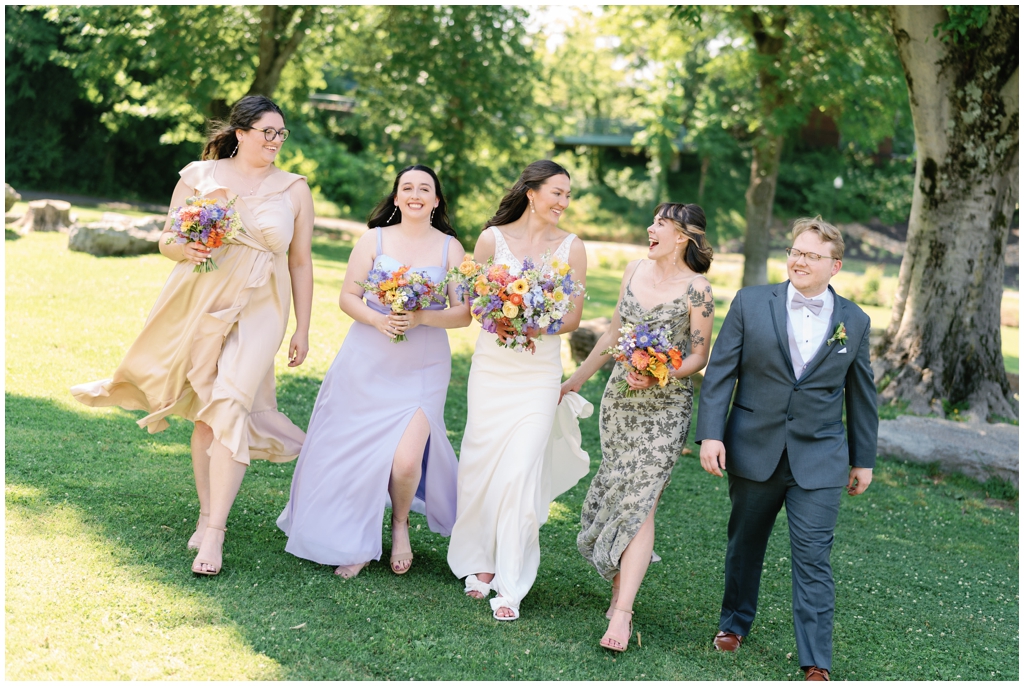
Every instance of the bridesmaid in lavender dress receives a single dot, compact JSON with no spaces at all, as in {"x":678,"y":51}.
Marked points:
{"x":377,"y":435}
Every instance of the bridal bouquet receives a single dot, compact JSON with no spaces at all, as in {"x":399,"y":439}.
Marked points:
{"x":645,"y":351}
{"x":536,"y":300}
{"x":403,"y":291}
{"x":204,"y":221}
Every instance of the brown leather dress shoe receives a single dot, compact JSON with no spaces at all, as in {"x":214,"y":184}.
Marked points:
{"x":816,"y":674}
{"x":726,"y":642}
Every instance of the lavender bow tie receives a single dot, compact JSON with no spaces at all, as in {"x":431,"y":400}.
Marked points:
{"x":812,"y":305}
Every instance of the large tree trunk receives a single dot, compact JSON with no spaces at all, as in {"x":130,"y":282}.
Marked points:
{"x":278,"y":42}
{"x":769,"y":37}
{"x":944,"y":342}
{"x":764,"y":175}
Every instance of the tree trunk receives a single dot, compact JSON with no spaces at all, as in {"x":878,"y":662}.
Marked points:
{"x":944,"y":342}
{"x":277,"y":45}
{"x":764,"y":173}
{"x":705,"y":164}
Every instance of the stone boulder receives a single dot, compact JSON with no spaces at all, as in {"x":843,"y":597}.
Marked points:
{"x":11,"y":196}
{"x":979,"y":451}
{"x":118,"y":235}
{"x":45,"y":215}
{"x":583,"y":339}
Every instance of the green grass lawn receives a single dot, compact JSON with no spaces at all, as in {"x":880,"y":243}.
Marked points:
{"x":98,"y":511}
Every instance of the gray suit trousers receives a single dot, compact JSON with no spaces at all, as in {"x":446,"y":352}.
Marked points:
{"x":812,"y":516}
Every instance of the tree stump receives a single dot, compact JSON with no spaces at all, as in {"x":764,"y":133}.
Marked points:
{"x":11,"y":196}
{"x":583,"y":339}
{"x":45,"y":215}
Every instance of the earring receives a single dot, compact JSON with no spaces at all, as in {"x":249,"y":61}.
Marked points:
{"x":235,"y":151}
{"x":393,"y":214}
{"x":532,"y":210}
{"x":432,"y":216}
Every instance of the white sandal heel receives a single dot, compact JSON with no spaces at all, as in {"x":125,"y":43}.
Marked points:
{"x":473,"y":583}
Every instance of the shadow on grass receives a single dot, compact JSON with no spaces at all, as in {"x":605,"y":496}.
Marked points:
{"x":11,"y":235}
{"x":900,"y":552}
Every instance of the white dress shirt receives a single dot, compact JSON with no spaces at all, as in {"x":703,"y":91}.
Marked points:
{"x":810,"y":329}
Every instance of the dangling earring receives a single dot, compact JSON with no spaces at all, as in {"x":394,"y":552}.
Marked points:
{"x":393,"y":214}
{"x":532,"y":210}
{"x":432,"y":216}
{"x":235,"y":151}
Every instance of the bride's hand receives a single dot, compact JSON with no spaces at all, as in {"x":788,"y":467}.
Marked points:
{"x":571,"y":385}
{"x":639,"y":382}
{"x":504,"y":331}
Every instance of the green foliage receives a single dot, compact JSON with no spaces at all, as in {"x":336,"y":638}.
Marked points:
{"x":962,"y":20}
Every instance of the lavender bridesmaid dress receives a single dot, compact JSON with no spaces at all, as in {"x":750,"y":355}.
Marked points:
{"x":367,"y":399}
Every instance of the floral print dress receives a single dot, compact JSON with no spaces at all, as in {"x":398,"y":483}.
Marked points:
{"x":641,"y":439}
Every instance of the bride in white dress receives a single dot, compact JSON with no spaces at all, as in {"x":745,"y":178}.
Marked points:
{"x":521,"y":448}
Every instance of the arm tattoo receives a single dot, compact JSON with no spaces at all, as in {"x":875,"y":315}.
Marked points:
{"x":703,"y":298}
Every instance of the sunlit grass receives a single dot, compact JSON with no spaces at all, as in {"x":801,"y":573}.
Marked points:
{"x":98,"y":512}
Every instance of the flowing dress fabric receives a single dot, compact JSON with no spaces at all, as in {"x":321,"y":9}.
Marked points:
{"x":641,"y":439}
{"x":206,"y":352}
{"x":508,"y":457}
{"x":368,"y":397}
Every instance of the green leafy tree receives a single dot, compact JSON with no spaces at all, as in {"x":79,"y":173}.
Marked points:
{"x":962,"y":74}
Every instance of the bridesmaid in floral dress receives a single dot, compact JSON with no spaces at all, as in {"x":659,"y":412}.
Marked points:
{"x":642,"y":436}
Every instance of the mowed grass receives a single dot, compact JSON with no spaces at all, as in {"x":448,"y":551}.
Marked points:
{"x":98,"y":511}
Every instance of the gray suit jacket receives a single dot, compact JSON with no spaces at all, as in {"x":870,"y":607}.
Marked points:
{"x":772,"y":410}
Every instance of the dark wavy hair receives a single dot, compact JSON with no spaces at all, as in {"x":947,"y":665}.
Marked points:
{"x":515,"y":201}
{"x":691,"y":222}
{"x":386,"y":213}
{"x":221,"y":142}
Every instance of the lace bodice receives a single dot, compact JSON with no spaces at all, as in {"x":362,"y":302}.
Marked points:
{"x":503,"y":255}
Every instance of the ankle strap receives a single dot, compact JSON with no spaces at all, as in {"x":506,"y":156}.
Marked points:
{"x":615,"y":609}
{"x":218,"y":528}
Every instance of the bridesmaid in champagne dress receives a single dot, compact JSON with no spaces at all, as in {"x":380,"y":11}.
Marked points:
{"x":642,"y":436}
{"x":206,"y":353}
{"x":517,"y":454}
{"x":377,"y":435}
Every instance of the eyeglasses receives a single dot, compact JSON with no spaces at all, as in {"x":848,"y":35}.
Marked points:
{"x":811,"y":256}
{"x":272,"y":133}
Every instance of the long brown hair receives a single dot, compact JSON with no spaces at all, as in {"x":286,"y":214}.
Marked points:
{"x":515,"y":201}
{"x":222,"y":141}
{"x":691,"y":222}
{"x":386,"y":214}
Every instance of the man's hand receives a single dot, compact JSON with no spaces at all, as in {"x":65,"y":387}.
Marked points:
{"x":860,"y":479}
{"x":712,"y":457}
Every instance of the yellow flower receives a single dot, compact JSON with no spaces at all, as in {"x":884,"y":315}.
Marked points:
{"x":509,"y":310}
{"x":557,"y":295}
{"x":388,"y":285}
{"x":520,"y":286}
{"x":467,"y":267}
{"x":564,"y":269}
{"x":555,"y":264}
{"x":389,"y":296}
{"x":660,"y":372}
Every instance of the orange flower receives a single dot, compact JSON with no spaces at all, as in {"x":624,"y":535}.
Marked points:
{"x":659,"y":356}
{"x":214,"y":241}
{"x":515,"y":299}
{"x":640,"y":359}
{"x":677,"y":358}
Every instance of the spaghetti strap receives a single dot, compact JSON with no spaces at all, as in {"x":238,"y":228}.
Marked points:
{"x":380,"y":245}
{"x":444,"y":254}
{"x":630,"y":282}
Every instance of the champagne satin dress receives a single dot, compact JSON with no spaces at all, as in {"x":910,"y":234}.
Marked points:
{"x":206,"y":352}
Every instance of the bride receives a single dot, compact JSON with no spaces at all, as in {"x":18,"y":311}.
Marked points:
{"x":517,"y":455}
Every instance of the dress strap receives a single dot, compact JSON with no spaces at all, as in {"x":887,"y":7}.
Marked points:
{"x":380,"y":244}
{"x":444,"y":253}
{"x":562,"y":252}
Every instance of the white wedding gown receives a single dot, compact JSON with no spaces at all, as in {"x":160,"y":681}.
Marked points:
{"x":521,"y":449}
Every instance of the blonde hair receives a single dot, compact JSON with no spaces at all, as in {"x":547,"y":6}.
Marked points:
{"x":826,"y":232}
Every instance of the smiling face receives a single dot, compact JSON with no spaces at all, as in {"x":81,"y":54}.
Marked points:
{"x":551,"y":199}
{"x":808,"y":277}
{"x":416,"y":196}
{"x":253,"y":144}
{"x":664,"y":238}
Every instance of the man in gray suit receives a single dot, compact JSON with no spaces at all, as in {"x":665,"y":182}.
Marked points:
{"x":794,"y":352}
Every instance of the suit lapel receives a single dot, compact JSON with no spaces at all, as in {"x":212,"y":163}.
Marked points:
{"x":838,"y":315}
{"x":779,"y":318}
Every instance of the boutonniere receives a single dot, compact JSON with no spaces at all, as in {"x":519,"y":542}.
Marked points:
{"x":839,"y":335}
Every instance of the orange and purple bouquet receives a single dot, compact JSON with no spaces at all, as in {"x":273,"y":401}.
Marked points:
{"x":403,"y":291}
{"x":204,"y":221}
{"x":646,"y":351}
{"x":532,"y":303}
